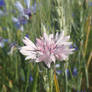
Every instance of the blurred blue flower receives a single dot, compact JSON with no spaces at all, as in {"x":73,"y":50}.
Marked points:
{"x":30,"y":78}
{"x":28,"y":11}
{"x":82,"y":91}
{"x":4,"y":28}
{"x":71,"y":46}
{"x":27,"y":35}
{"x":2,"y":3}
{"x":68,"y":72}
{"x":73,"y":14}
{"x":89,"y":4}
{"x":19,"y":22}
{"x":2,"y":13}
{"x":74,"y":46}
{"x":58,"y":72}
{"x":3,"y":8}
{"x":22,"y":78}
{"x":13,"y":46}
{"x":2,"y":42}
{"x":5,"y":40}
{"x":13,"y":11}
{"x":57,"y":65}
{"x":75,"y":72}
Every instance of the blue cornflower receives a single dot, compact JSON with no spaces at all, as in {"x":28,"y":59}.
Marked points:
{"x":89,"y":3}
{"x":27,"y":35}
{"x":73,"y":14}
{"x":57,"y":65}
{"x":5,"y":40}
{"x":2,"y":42}
{"x":82,"y":91}
{"x":4,"y":28}
{"x":71,"y":46}
{"x":13,"y":46}
{"x":30,"y":78}
{"x":68,"y":72}
{"x":3,"y":8}
{"x":19,"y":22}
{"x":2,"y":3}
{"x":3,"y":13}
{"x":28,"y":11}
{"x":58,"y":72}
{"x":22,"y":78}
{"x":75,"y":72}
{"x":74,"y":46}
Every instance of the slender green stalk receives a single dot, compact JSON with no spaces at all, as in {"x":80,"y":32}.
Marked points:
{"x":27,"y":82}
{"x":66,"y":80}
{"x":34,"y":87}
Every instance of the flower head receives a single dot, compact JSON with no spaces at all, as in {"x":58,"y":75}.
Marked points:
{"x":19,"y":22}
{"x":75,"y":72}
{"x":2,"y":42}
{"x":47,"y":48}
{"x":2,"y":3}
{"x":58,"y":72}
{"x":13,"y":46}
{"x":89,"y":4}
{"x":26,"y":12}
{"x":30,"y":78}
{"x":3,"y":13}
{"x":2,"y":8}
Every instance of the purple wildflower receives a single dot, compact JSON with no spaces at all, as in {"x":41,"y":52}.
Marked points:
{"x":68,"y":72}
{"x":28,"y":11}
{"x":13,"y":46}
{"x":73,"y":14}
{"x":2,"y":42}
{"x":19,"y":22}
{"x":58,"y":72}
{"x":30,"y":78}
{"x":74,"y":46}
{"x":2,"y":3}
{"x":82,"y":91}
{"x":75,"y":72}
{"x":27,"y":35}
{"x":89,"y":4}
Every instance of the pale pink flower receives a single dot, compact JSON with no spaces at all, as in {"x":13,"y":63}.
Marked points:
{"x":47,"y":48}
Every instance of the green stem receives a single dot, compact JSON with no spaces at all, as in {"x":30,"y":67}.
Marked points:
{"x":35,"y":79}
{"x":27,"y":78}
{"x":51,"y":80}
{"x":16,"y":67}
{"x":66,"y":80}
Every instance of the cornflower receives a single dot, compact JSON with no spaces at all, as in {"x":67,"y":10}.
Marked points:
{"x":28,"y":11}
{"x":47,"y":48}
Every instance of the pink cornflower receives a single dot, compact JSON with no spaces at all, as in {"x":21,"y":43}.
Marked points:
{"x":47,"y":48}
